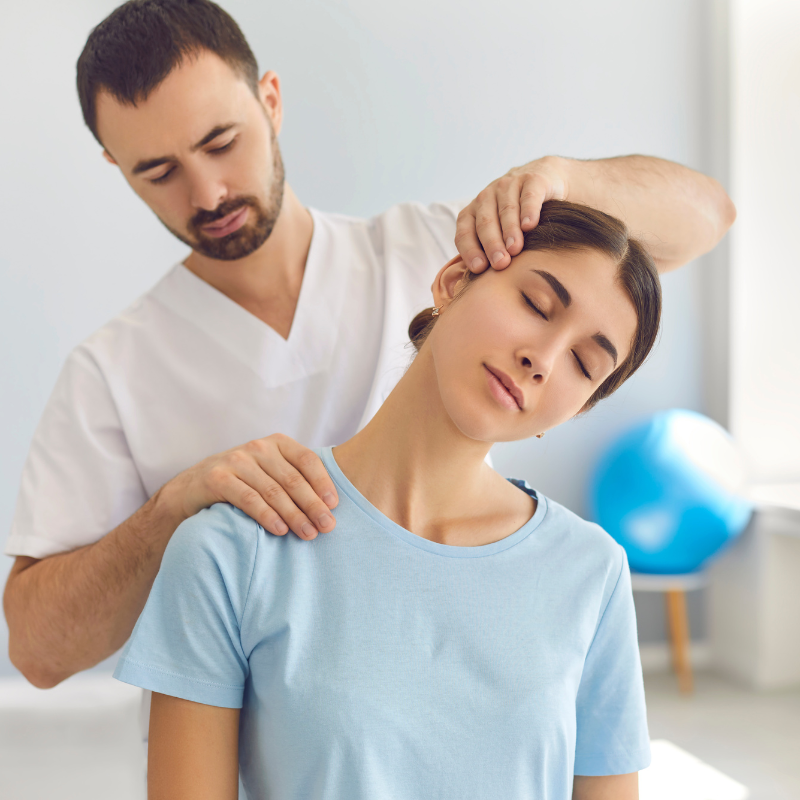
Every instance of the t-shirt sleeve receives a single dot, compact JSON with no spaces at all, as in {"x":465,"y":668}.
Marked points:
{"x":612,"y":737}
{"x":79,"y":480}
{"x":187,"y":641}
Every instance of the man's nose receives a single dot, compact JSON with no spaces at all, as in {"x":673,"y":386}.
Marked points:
{"x":207,"y":191}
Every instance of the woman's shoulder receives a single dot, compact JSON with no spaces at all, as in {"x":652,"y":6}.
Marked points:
{"x":221,"y":533}
{"x":572,"y":530}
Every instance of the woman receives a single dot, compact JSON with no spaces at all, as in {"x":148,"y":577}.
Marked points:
{"x":459,"y":636}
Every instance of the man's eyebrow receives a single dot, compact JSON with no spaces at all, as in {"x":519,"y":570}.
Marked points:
{"x":558,"y":287}
{"x":606,"y":344}
{"x":152,"y":163}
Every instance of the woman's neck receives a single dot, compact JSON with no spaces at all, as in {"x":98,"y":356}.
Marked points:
{"x":414,"y":465}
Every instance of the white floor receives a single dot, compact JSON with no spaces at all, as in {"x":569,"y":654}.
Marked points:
{"x":752,"y":737}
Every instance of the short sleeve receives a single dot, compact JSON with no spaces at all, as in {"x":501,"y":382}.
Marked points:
{"x":187,"y":641}
{"x":612,"y":737}
{"x":79,"y":480}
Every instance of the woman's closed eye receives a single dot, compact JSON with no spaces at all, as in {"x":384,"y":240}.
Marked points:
{"x":533,"y":306}
{"x":581,"y":367}
{"x":537,"y":310}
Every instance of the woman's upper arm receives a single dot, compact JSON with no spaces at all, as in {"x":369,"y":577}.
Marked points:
{"x":193,"y":751}
{"x":606,"y":787}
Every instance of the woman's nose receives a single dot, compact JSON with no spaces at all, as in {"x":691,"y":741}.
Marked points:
{"x":539,"y":362}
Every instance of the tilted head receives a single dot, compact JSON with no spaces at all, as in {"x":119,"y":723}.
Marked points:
{"x":170,"y":89}
{"x":521,"y":350}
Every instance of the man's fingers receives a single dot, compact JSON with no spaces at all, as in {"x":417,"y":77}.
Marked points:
{"x":238,"y":493}
{"x":286,"y":489}
{"x":487,"y":226}
{"x":467,"y":242}
{"x":508,"y":206}
{"x":534,"y":192}
{"x":310,"y":466}
{"x":279,"y":499}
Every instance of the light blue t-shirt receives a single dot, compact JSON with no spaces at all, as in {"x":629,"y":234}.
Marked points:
{"x":372,"y":663}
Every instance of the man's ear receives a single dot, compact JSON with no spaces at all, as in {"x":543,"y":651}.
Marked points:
{"x":448,"y":281}
{"x":269,"y":93}
{"x":108,"y":157}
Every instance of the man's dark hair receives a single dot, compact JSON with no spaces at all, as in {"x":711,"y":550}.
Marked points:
{"x":136,"y":46}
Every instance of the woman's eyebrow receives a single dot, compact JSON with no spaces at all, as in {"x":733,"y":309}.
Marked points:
{"x":558,"y":287}
{"x":607,"y":345}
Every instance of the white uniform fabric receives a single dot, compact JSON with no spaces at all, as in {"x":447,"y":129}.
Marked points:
{"x":185,"y":372}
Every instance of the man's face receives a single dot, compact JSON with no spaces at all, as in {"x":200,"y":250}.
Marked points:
{"x":202,"y":152}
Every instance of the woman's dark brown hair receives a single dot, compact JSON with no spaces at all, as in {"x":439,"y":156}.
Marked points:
{"x":567,"y":226}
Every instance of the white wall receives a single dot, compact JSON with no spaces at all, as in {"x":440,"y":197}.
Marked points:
{"x":384,"y":102}
{"x":765,"y":344}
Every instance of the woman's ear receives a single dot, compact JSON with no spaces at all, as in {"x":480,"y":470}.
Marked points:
{"x":448,"y":282}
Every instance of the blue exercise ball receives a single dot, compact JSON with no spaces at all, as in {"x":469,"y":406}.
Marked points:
{"x":670,"y":491}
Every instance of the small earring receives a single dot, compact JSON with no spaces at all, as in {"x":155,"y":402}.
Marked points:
{"x":435,"y":312}
{"x":539,"y":435}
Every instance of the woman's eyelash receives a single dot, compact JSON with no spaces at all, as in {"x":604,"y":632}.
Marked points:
{"x":581,"y":367}
{"x":534,"y":306}
{"x":222,"y":149}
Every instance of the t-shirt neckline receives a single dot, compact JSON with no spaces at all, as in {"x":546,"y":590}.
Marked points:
{"x":447,"y":550}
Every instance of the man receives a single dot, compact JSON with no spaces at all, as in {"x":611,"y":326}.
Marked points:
{"x":281,"y":318}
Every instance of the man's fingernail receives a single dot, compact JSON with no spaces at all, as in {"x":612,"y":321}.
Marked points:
{"x":526,"y":221}
{"x":509,"y":241}
{"x":498,"y":256}
{"x":477,"y":263}
{"x":324,"y":520}
{"x":328,"y":499}
{"x":281,"y":527}
{"x":308,"y":530}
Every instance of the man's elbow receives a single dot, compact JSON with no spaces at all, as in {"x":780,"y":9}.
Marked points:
{"x":40,"y":675}
{"x":723,"y":213}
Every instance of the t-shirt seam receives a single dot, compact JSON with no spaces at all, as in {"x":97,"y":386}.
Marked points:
{"x":240,"y":621}
{"x":150,"y":668}
{"x":608,"y":602}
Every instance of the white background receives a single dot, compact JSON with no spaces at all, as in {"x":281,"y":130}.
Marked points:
{"x":384,"y":102}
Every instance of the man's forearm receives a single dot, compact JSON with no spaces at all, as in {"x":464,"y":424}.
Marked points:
{"x":678,"y":213}
{"x":68,"y":612}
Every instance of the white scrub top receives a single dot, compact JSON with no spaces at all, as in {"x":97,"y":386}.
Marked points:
{"x":185,"y":372}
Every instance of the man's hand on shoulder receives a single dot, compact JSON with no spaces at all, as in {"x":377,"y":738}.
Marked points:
{"x":494,"y":223}
{"x":276,"y":481}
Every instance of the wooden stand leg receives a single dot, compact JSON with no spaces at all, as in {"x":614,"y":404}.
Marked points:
{"x":679,"y":636}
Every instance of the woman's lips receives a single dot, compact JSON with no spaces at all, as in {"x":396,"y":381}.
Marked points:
{"x":509,"y":396}
{"x":228,"y":224}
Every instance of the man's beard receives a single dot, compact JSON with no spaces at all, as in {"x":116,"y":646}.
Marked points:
{"x":253,"y":233}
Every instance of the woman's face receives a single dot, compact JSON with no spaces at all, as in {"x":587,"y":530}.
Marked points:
{"x":523,"y":349}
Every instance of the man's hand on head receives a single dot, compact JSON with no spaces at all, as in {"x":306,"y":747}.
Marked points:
{"x":279,"y":483}
{"x":494,"y":223}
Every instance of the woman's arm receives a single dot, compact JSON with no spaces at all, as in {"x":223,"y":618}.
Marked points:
{"x":604,"y":787}
{"x":193,"y":751}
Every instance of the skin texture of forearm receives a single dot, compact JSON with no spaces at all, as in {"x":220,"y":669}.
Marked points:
{"x":679,"y":213}
{"x":193,"y":751}
{"x":68,"y":612}
{"x":606,"y":787}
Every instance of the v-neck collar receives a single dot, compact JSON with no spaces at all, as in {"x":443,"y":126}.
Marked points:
{"x":276,"y":360}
